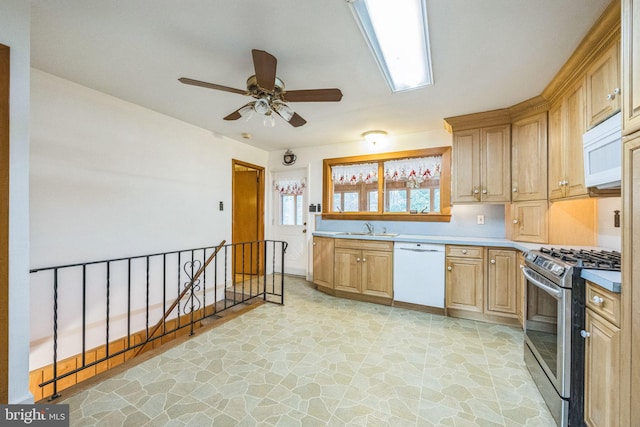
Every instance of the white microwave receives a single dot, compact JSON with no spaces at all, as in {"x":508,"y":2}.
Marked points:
{"x":603,"y":154}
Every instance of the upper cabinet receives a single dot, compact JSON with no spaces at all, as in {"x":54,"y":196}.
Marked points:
{"x":631,"y":66}
{"x":481,"y":158}
{"x":603,"y":86}
{"x":566,"y":126}
{"x":529,"y":158}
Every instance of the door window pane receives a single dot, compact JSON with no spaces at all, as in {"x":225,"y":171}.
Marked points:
{"x":288,"y":210}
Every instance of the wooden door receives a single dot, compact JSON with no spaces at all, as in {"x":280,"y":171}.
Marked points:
{"x":556,"y":153}
{"x":323,"y":261}
{"x":501,"y":296}
{"x":603,"y":87}
{"x":248,"y":228}
{"x":495,"y":164}
{"x":465,"y":182}
{"x":377,"y":273}
{"x":602,"y":372}
{"x":347,"y":263}
{"x":465,"y":284}
{"x":529,"y":158}
{"x":631,"y":66}
{"x":574,"y":128}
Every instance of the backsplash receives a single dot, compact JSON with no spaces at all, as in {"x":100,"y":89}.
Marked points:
{"x":464,"y":220}
{"x":609,"y":236}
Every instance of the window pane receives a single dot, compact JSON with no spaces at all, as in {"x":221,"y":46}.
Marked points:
{"x":397,"y":201}
{"x":337,"y":202}
{"x":350,"y":202}
{"x":373,"y":201}
{"x":436,"y":199}
{"x":420,"y":199}
{"x":299,"y":210}
{"x":288,"y":210}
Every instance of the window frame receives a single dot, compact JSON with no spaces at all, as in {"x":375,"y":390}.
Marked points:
{"x":445,"y":187}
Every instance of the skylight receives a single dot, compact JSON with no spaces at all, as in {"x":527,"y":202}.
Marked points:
{"x":397,"y":33}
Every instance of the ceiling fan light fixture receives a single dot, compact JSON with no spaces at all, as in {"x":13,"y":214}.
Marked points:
{"x":283,"y":109}
{"x":269,"y":121}
{"x":374,"y":136}
{"x":247,"y":111}
{"x":261,"y":106}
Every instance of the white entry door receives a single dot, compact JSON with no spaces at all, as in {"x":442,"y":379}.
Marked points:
{"x":290,"y":217}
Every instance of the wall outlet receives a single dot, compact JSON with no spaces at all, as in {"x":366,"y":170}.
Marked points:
{"x":480,"y":219}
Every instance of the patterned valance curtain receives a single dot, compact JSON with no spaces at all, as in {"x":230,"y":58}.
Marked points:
{"x":414,"y":171}
{"x":290,"y":187}
{"x":354,"y":174}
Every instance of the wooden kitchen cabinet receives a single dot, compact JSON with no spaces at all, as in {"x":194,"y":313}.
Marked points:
{"x":501,"y":294}
{"x":364,"y":267}
{"x":603,"y":86}
{"x":479,"y":289}
{"x":529,"y":158}
{"x":529,"y":221}
{"x":482,"y":165}
{"x":323,"y":261}
{"x":520,"y":291}
{"x":602,"y":358}
{"x":566,"y":127}
{"x":464,"y":283}
{"x":631,"y":66}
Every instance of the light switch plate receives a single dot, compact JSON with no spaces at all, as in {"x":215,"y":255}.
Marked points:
{"x":480,"y":219}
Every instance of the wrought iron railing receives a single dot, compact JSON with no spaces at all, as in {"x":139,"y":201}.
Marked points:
{"x":106,"y":312}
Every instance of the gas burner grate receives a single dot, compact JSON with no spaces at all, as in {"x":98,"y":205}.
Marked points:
{"x":592,"y":259}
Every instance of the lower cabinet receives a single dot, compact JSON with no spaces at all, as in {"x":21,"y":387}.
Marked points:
{"x":602,"y":358}
{"x":323,"y":261}
{"x":364,"y":267}
{"x":481,"y":284}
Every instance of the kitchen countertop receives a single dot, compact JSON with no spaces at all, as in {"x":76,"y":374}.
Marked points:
{"x":610,"y":280}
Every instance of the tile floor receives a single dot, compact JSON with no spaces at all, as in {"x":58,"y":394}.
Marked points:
{"x":324,"y":361}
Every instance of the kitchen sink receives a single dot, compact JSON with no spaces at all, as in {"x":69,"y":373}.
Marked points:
{"x":364,"y":233}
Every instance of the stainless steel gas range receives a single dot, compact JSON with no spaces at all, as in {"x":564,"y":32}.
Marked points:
{"x":554,"y":319}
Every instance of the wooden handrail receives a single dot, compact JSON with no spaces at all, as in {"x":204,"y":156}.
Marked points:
{"x":182,"y":294}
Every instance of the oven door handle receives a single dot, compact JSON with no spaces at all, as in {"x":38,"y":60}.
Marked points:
{"x":556,"y":293}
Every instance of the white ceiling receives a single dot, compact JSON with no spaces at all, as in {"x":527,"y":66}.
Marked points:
{"x":487,"y":54}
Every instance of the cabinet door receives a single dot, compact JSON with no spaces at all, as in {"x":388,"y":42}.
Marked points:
{"x":465,"y":177}
{"x":556,"y":168}
{"x":464,"y":283}
{"x":529,"y":158}
{"x":377,"y":273}
{"x":602,"y":372}
{"x":495,"y":164}
{"x":631,"y":65}
{"x":530,"y":221}
{"x":574,"y":127}
{"x":323,"y":261}
{"x":603,"y":87}
{"x":501,"y":283}
{"x":347,"y":264}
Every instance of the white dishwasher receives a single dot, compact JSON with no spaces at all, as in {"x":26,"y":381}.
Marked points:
{"x":418,"y":273}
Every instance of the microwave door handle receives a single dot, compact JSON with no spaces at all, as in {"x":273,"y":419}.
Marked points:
{"x":556,"y":293}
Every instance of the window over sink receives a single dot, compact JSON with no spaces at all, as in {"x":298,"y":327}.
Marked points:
{"x":404,"y":186}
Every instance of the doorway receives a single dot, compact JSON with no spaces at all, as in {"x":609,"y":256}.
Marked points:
{"x":247,"y":218}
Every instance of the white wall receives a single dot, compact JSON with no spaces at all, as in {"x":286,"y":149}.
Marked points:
{"x":112,"y":179}
{"x":14,"y":32}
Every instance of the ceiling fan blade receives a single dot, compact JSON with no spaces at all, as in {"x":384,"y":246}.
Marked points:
{"x":312,"y":95}
{"x":192,"y":82}
{"x":297,"y":120}
{"x":265,"y":66}
{"x":235,"y":115}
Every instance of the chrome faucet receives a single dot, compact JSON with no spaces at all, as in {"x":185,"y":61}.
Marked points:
{"x":369,"y":227}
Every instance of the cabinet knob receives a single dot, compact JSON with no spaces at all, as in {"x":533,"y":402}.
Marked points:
{"x":476,"y":191}
{"x":464,"y":251}
{"x":597,"y":300}
{"x":493,"y":261}
{"x":514,"y":189}
{"x":484,"y":191}
{"x":584,"y":334}
{"x":314,"y":243}
{"x":364,"y":260}
{"x":357,"y":259}
{"x":515,"y":221}
{"x":449,"y":268}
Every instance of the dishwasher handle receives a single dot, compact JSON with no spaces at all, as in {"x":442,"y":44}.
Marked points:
{"x":418,"y":250}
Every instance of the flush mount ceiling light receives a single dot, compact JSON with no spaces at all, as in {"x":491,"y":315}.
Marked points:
{"x":398,"y":36}
{"x":374,"y":136}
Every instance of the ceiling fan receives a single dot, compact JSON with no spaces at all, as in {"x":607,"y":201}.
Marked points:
{"x":269,"y":93}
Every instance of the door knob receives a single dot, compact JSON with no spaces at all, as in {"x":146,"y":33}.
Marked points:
{"x":304,"y":231}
